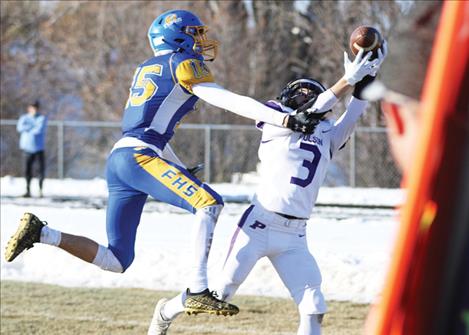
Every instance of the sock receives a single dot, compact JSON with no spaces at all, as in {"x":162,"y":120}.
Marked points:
{"x":309,"y":325}
{"x":50,"y":236}
{"x":202,"y":235}
{"x":173,"y":307}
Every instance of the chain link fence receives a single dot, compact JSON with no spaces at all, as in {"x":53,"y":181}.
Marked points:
{"x":78,"y":149}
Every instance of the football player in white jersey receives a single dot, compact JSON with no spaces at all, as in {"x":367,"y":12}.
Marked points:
{"x":293,"y":167}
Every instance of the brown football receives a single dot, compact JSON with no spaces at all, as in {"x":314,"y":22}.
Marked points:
{"x":366,"y":37}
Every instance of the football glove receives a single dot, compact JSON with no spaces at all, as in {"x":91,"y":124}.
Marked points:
{"x":382,"y":53}
{"x":359,"y":68}
{"x":195,"y":169}
{"x":368,"y":79}
{"x":302,"y":122}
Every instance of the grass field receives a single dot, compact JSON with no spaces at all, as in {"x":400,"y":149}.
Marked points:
{"x":28,"y":308}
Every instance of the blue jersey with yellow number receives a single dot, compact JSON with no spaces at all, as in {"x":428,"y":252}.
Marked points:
{"x":161,"y":95}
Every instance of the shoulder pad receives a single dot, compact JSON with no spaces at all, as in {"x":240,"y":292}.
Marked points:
{"x":192,"y":71}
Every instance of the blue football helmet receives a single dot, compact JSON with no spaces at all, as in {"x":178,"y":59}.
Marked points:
{"x":181,"y":30}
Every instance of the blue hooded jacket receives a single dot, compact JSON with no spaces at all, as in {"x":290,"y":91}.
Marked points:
{"x":33,"y":132}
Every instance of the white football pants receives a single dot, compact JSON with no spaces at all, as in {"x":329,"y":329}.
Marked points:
{"x":263,"y":233}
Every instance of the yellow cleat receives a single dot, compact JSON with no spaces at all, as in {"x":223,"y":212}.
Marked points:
{"x":207,"y":302}
{"x":28,"y":233}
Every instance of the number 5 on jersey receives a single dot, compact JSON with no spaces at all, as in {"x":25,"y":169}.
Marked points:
{"x":144,"y":84}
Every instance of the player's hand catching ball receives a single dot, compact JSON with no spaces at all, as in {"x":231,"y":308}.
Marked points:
{"x":382,"y":53}
{"x":359,"y":68}
{"x":301,"y":122}
{"x":368,"y":79}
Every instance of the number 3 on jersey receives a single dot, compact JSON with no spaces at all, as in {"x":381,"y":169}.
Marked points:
{"x":144,"y":84}
{"x":310,"y":165}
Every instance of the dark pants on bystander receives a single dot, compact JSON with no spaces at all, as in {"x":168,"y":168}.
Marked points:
{"x":30,"y":158}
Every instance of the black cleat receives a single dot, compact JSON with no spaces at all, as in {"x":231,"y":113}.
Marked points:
{"x":207,"y":302}
{"x":28,"y":233}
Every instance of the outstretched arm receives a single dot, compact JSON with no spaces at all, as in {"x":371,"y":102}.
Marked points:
{"x":341,"y":88}
{"x":354,"y":72}
{"x":252,"y":109}
{"x":344,"y":127}
{"x":327,"y":99}
{"x":242,"y":105}
{"x":196,"y":78}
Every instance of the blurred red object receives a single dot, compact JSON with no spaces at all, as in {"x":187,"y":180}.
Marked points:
{"x":427,"y":287}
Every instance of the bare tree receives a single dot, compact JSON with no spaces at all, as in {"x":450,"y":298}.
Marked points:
{"x":78,"y":58}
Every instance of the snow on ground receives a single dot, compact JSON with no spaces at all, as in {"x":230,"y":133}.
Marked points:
{"x":12,"y":187}
{"x":351,"y":247}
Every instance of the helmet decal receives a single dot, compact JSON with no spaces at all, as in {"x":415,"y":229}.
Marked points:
{"x":170,"y":19}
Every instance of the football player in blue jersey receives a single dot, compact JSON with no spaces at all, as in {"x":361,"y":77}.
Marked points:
{"x":164,"y":89}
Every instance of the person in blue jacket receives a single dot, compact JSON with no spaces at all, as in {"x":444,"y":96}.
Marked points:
{"x":32,"y":127}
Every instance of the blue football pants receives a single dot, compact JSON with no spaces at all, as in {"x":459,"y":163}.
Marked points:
{"x":134,"y":173}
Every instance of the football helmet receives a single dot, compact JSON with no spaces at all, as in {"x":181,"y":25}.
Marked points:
{"x":181,"y":30}
{"x":298,"y":92}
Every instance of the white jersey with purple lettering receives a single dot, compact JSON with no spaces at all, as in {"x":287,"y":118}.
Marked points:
{"x":293,"y":168}
{"x":294,"y":165}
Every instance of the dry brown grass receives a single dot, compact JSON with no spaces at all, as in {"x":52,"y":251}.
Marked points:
{"x":28,"y":308}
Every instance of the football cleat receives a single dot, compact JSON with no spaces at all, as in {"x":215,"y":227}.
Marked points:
{"x":28,"y":233}
{"x":207,"y":302}
{"x":158,"y":325}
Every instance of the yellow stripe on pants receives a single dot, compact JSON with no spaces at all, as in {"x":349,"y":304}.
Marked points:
{"x":176,"y":181}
